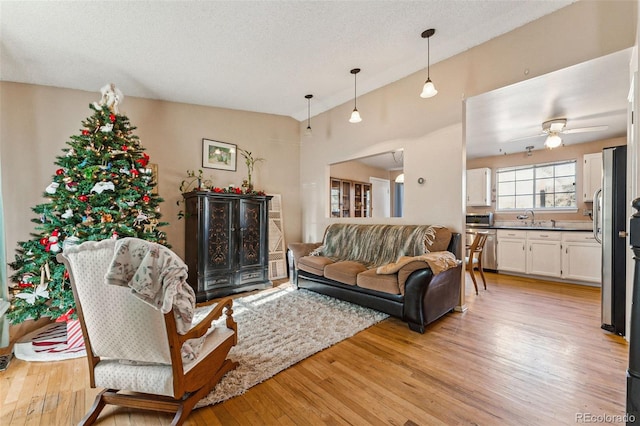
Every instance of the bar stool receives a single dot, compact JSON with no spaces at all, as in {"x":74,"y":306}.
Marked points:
{"x":474,"y":259}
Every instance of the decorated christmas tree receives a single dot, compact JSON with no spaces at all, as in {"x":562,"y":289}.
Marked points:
{"x":102,"y":188}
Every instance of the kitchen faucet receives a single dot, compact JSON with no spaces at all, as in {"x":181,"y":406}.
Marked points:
{"x":526,"y":216}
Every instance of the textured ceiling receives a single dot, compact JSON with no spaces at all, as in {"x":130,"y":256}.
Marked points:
{"x":261,"y":56}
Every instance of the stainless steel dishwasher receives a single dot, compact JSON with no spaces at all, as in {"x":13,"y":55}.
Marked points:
{"x":483,"y":222}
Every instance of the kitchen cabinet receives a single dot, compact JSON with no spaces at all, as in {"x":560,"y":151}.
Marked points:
{"x":581,"y":257}
{"x":543,"y":253}
{"x":572,"y":256}
{"x":591,"y":175}
{"x":479,"y":187}
{"x":226,"y":243}
{"x":512,"y":255}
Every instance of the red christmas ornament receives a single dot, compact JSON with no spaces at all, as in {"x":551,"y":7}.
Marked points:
{"x":112,"y":118}
{"x":66,"y":274}
{"x":85,"y":132}
{"x":134,"y":172}
{"x":66,"y":316}
{"x":143,"y":161}
{"x":44,"y":241}
{"x":124,"y":147}
{"x":146,"y":198}
{"x":60,"y":172}
{"x":83,"y":198}
{"x":25,"y":285}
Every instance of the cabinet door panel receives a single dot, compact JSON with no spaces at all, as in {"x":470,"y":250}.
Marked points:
{"x":479,"y":187}
{"x":252,"y":233}
{"x":512,"y":255}
{"x":544,"y":258}
{"x":582,"y":261}
{"x":591,"y":175}
{"x":219,"y":244}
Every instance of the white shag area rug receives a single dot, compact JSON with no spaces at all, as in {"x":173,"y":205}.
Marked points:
{"x":279,"y":328}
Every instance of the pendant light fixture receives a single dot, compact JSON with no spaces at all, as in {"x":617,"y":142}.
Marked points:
{"x":308,"y":132}
{"x":355,"y":115}
{"x":428,"y":90}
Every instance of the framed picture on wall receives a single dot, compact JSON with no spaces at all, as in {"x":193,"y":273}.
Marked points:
{"x":218,"y":155}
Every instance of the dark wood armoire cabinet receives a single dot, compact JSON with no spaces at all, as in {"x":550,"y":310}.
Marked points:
{"x":226,"y":243}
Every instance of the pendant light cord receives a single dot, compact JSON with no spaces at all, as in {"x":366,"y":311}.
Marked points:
{"x":428,"y":58}
{"x":355,"y":90}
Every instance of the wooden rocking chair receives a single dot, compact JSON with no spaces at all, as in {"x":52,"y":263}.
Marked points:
{"x":135,"y":348}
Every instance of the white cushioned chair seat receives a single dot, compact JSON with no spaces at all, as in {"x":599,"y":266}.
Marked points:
{"x":155,"y":379}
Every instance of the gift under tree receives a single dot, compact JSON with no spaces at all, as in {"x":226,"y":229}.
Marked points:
{"x":102,"y":188}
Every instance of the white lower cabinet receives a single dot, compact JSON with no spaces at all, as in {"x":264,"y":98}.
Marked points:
{"x":543,"y":254}
{"x":572,"y":255}
{"x":512,"y":255}
{"x":581,"y":257}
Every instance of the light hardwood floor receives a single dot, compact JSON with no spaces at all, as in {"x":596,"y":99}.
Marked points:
{"x":524,"y":353}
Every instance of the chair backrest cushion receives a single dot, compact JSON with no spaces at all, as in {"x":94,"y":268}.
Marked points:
{"x":119,"y":324}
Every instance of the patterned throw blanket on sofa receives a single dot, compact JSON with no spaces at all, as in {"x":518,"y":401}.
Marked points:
{"x":377,"y":245}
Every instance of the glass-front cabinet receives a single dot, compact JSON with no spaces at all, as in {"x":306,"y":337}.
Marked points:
{"x":349,"y":198}
{"x":361,"y":199}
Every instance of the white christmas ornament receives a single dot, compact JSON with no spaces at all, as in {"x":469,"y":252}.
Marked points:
{"x":67,"y":214}
{"x":51,"y":189}
{"x":53,"y":240}
{"x":103,"y":186}
{"x":40,"y":291}
{"x":106,"y":128}
{"x":70,"y":153}
{"x":140,"y":218}
{"x":70,"y":241}
{"x":125,"y":171}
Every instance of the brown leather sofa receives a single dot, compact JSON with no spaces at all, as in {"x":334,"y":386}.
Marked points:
{"x":413,"y":292}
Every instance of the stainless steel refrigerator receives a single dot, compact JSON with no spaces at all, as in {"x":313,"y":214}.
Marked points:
{"x":610,"y":229}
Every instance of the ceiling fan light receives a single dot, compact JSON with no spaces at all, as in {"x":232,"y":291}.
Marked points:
{"x":428,"y":90}
{"x":553,"y":141}
{"x":308,"y":131}
{"x":355,"y":116}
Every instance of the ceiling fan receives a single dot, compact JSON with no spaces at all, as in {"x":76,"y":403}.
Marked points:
{"x":552,"y":129}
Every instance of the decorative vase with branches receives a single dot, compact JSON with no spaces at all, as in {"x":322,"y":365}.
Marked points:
{"x":250,"y":161}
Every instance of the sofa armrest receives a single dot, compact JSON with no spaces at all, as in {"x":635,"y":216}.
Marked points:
{"x":407,"y":270}
{"x":299,"y":250}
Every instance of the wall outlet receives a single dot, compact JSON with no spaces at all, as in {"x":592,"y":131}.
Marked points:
{"x":587,"y":212}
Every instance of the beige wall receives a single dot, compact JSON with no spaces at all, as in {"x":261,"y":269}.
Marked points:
{"x":431,"y":130}
{"x":36,"y":122}
{"x":568,"y":152}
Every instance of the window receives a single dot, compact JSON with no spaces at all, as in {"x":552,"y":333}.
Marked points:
{"x":537,"y":186}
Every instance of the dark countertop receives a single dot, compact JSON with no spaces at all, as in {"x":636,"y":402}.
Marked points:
{"x":540,"y":228}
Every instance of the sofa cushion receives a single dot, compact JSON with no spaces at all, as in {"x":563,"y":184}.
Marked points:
{"x":302,"y":249}
{"x":371,"y":280}
{"x":314,"y":264}
{"x":439,"y":242}
{"x":345,"y":272}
